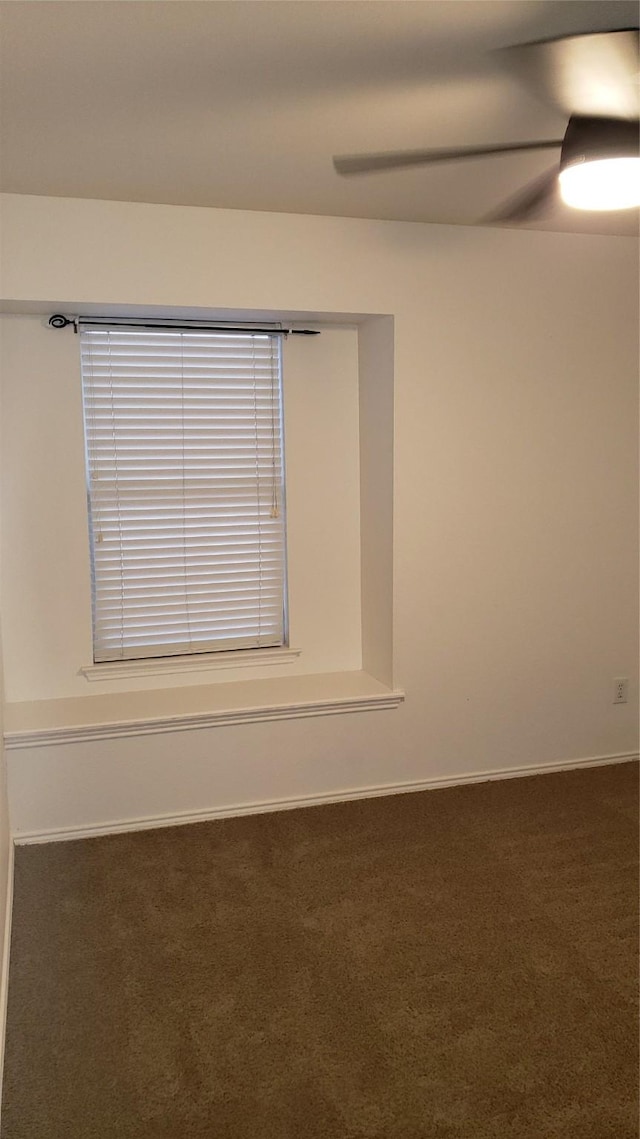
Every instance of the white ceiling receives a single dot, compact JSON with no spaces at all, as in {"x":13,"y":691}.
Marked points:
{"x":242,"y":104}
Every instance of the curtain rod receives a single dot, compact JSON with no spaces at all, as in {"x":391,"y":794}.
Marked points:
{"x":60,"y":321}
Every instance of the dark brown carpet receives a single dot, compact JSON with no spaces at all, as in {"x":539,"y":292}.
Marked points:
{"x":456,"y":964}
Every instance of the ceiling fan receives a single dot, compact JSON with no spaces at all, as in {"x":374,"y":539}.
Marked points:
{"x":594,"y":80}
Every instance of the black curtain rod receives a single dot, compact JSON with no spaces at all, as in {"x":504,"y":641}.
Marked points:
{"x":60,"y":321}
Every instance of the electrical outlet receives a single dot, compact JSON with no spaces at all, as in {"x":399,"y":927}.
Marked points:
{"x":620,"y":690}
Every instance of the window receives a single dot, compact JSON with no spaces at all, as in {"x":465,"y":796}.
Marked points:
{"x":185,"y":490}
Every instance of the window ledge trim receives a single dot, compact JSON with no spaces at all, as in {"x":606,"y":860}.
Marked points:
{"x":85,"y":733}
{"x":198,"y":662}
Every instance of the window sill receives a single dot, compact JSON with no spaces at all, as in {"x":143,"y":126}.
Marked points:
{"x":91,"y":718}
{"x":199,"y":662}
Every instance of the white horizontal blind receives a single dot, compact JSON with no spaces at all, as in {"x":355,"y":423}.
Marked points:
{"x":185,"y":486}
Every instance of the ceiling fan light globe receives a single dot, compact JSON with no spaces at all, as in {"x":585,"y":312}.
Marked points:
{"x":603,"y":184}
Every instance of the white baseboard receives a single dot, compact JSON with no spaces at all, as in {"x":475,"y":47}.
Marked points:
{"x":119,"y":826}
{"x":4,"y":967}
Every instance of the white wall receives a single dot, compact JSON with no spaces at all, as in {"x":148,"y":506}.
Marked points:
{"x":6,"y":881}
{"x":515,"y":491}
{"x":376,"y":494}
{"x":5,"y":841}
{"x":4,"y":846}
{"x":6,"y":895}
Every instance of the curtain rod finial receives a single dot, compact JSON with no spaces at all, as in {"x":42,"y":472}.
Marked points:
{"x":60,"y":321}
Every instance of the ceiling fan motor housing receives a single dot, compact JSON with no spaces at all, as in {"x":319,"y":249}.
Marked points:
{"x":591,"y":139}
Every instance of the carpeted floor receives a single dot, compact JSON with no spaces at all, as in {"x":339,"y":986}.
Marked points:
{"x":455,"y":964}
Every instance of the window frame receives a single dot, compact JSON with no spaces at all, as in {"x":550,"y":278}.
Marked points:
{"x":217,"y":652}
